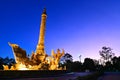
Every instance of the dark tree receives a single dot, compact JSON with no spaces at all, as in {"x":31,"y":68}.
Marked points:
{"x":76,"y":66}
{"x":108,"y":66}
{"x":6,"y":61}
{"x":1,"y":63}
{"x":98,"y":66}
{"x":96,"y":62}
{"x":106,"y":53}
{"x":68,"y":58}
{"x":67,"y":61}
{"x":116,"y":63}
{"x":89,"y":64}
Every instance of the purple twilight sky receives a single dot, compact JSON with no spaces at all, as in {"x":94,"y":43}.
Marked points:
{"x":80,"y":27}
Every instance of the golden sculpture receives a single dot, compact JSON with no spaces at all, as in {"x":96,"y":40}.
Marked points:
{"x":38,"y":60}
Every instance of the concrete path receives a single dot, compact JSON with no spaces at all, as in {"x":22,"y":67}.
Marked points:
{"x":62,"y":77}
{"x":110,"y":76}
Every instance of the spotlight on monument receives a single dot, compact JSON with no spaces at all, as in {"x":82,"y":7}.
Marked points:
{"x":38,"y":60}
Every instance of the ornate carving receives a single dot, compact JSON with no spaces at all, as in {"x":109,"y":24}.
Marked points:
{"x":39,"y":60}
{"x":36,"y":61}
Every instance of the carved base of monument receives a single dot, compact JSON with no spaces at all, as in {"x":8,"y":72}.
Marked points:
{"x":36,"y":61}
{"x":16,"y":74}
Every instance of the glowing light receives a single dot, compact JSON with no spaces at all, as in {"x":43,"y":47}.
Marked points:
{"x":23,"y":69}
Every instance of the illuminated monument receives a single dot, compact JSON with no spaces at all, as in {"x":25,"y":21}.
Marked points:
{"x":40,"y":47}
{"x":39,"y":60}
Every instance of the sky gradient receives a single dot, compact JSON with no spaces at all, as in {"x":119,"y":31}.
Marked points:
{"x":80,"y":27}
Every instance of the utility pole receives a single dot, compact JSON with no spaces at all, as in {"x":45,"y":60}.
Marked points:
{"x":80,"y":57}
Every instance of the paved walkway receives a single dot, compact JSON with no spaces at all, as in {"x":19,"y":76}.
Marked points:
{"x":110,"y":76}
{"x":63,"y":77}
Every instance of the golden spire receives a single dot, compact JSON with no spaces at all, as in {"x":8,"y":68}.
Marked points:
{"x":40,"y":46}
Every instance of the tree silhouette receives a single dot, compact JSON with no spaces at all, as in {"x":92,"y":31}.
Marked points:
{"x":6,"y":61}
{"x":89,"y":64}
{"x":108,"y":66}
{"x":106,"y":53}
{"x":116,"y":63}
{"x":67,"y":60}
{"x":76,"y":66}
{"x":1,"y":63}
